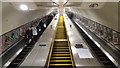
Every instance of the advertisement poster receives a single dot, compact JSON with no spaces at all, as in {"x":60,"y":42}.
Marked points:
{"x":104,"y":32}
{"x":21,"y":31}
{"x":12,"y":37}
{"x":100,"y":30}
{"x":94,"y":26}
{"x":17,"y":34}
{"x":1,"y":44}
{"x":97,"y":28}
{"x":7,"y":39}
{"x":119,"y":39}
{"x":109,"y":33}
{"x":89,"y":24}
{"x":115,"y":37}
{"x":24,"y":29}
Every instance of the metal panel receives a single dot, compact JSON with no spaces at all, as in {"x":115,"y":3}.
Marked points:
{"x":38,"y":55}
{"x":76,"y":38}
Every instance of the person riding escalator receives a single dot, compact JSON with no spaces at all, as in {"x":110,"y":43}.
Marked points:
{"x":29,"y":35}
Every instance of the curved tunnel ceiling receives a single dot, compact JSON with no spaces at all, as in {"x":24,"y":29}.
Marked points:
{"x":83,"y":4}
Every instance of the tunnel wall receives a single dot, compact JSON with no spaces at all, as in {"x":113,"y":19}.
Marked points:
{"x":107,"y":15}
{"x":13,"y":18}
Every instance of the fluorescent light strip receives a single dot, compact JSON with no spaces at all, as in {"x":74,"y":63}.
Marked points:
{"x":106,"y":53}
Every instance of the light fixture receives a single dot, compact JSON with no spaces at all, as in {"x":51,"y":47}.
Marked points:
{"x":93,"y":5}
{"x":23,"y":7}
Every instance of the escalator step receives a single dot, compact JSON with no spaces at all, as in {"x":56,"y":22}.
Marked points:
{"x":61,"y":55}
{"x":15,"y":63}
{"x":103,"y":57}
{"x":23,"y":53}
{"x":60,"y":47}
{"x":95,"y":49}
{"x":100,"y":55}
{"x":97,"y":52}
{"x":60,"y":64}
{"x":60,"y":61}
{"x":62,"y":40}
{"x":70,"y":66}
{"x":92,"y":45}
{"x":106,"y":62}
{"x":60,"y":52}
{"x":28,"y":47}
{"x":19,"y":59}
{"x":26,"y":50}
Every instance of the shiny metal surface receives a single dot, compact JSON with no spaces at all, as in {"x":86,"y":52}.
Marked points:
{"x":38,"y":55}
{"x":60,"y":48}
{"x":76,"y":38}
{"x":111,"y":53}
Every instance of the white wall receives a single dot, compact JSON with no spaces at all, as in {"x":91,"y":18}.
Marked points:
{"x":12,"y":18}
{"x":107,"y":15}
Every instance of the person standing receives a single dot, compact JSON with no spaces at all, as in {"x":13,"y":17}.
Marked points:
{"x":34,"y":32}
{"x":39,"y":27}
{"x":29,"y":35}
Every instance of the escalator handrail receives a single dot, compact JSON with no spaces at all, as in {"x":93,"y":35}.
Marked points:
{"x":73,"y":62}
{"x":51,"y":48}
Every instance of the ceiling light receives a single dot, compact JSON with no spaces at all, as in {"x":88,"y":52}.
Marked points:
{"x":93,"y":5}
{"x":23,"y":7}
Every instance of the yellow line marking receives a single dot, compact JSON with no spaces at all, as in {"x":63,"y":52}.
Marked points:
{"x":60,"y":27}
{"x":60,"y":57}
{"x":60,"y":54}
{"x":61,"y":47}
{"x":59,"y":64}
{"x":61,"y":39}
{"x":60,"y":60}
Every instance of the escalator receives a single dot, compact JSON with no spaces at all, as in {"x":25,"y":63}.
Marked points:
{"x":60,"y":55}
{"x":96,"y":50}
{"x":22,"y":55}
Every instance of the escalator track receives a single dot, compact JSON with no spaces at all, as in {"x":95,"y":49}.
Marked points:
{"x":20,"y":57}
{"x":61,"y":55}
{"x":97,"y":51}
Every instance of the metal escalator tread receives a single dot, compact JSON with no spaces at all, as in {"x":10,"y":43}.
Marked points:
{"x":60,"y":57}
{"x":60,"y":60}
{"x":100,"y":55}
{"x":61,"y":47}
{"x":20,"y":57}
{"x":60,"y":64}
{"x":61,"y":54}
